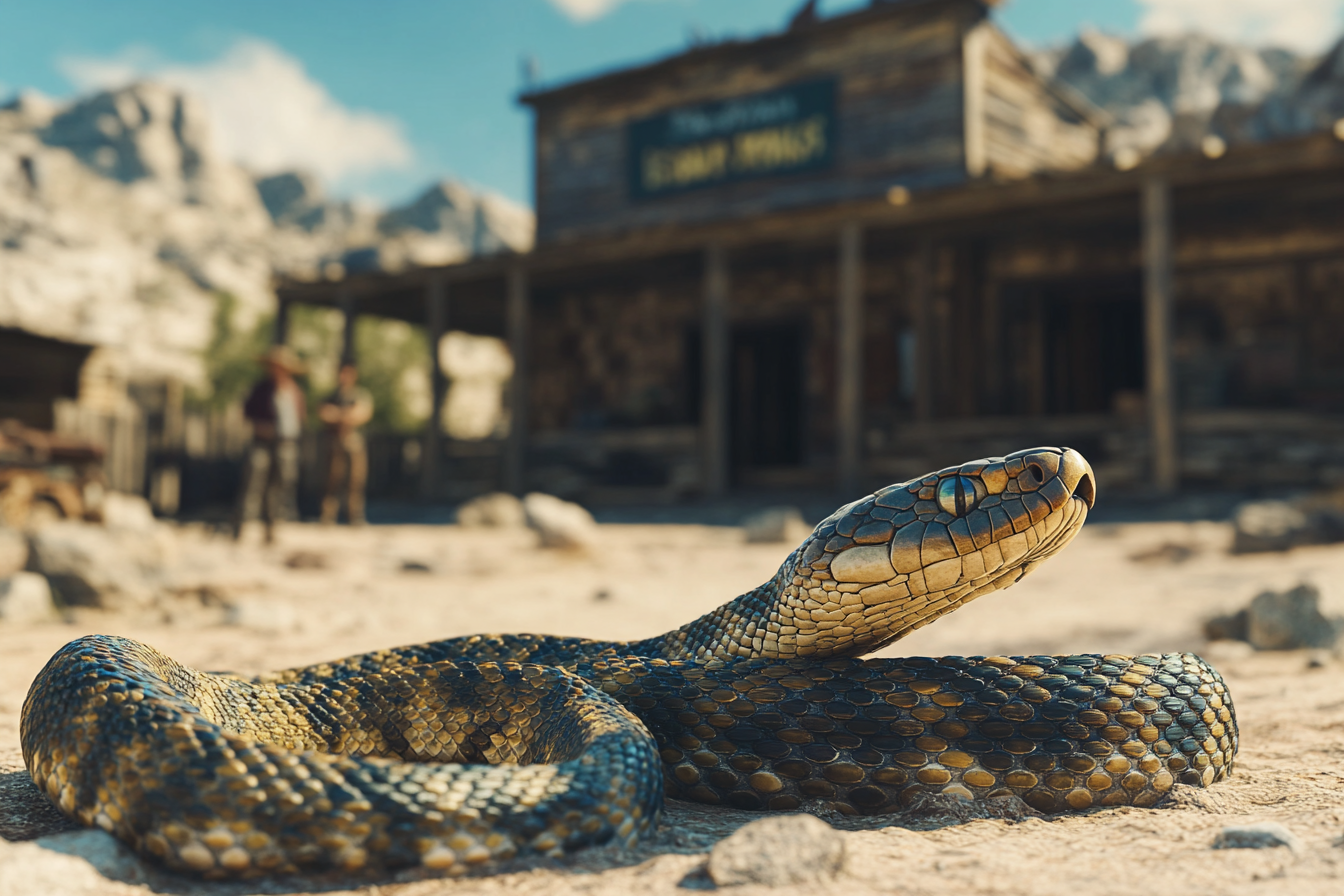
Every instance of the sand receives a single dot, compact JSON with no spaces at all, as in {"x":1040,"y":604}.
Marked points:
{"x":1119,"y":588}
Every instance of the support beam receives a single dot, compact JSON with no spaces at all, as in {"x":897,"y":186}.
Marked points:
{"x":436,"y":324}
{"x":715,"y":382}
{"x":849,"y":357}
{"x":921,"y":297}
{"x":281,"y":332}
{"x":1158,"y":299}
{"x":345,"y":300}
{"x":517,"y":312}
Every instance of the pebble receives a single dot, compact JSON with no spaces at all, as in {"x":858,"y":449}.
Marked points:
{"x":775,"y":852}
{"x":1263,"y":835}
{"x":13,"y":551}
{"x":26,"y":597}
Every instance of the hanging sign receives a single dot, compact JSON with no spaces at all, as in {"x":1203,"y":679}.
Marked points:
{"x":781,"y":131}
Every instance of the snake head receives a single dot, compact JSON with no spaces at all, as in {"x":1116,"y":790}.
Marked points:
{"x":889,"y":563}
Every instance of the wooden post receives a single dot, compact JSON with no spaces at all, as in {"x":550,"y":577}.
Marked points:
{"x":974,"y":47}
{"x":921,"y":295}
{"x":436,"y":324}
{"x":849,"y":356}
{"x":1158,"y":300}
{"x":281,"y":331}
{"x":715,"y":381}
{"x":345,"y":300}
{"x":516,"y":301}
{"x":1035,"y":352}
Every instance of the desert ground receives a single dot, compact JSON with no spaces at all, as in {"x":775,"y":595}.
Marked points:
{"x":1119,"y":588}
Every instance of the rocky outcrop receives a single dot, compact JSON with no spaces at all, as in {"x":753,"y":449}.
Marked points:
{"x":121,"y":224}
{"x":1170,"y":93}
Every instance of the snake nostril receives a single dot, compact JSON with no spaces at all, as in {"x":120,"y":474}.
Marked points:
{"x":1036,"y":472}
{"x":1086,"y":490}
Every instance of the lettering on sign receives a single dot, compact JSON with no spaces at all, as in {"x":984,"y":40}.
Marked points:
{"x":784,"y":131}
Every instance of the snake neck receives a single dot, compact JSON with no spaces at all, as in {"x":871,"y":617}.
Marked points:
{"x":772,"y":621}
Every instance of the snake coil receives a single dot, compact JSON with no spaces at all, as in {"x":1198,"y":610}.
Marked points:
{"x":459,"y":754}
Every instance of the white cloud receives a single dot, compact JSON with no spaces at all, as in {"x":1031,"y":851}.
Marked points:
{"x":586,"y":10}
{"x":1310,"y":25}
{"x":268,"y":112}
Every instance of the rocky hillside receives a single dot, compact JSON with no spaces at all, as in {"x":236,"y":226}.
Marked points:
{"x":120,"y":226}
{"x":1169,"y":94}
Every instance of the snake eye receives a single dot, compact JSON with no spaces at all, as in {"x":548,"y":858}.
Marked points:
{"x":957,"y":495}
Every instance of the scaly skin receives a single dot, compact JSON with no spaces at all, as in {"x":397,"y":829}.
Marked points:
{"x":458,"y":754}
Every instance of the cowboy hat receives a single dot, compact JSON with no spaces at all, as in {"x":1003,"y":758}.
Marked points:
{"x":284,"y":357}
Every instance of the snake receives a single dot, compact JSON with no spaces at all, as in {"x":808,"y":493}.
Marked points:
{"x":465,"y":754}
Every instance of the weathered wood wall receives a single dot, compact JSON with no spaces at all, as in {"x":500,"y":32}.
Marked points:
{"x":1029,"y":124}
{"x":899,"y":110}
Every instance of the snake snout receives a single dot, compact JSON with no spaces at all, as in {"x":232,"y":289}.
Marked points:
{"x":1076,"y":474}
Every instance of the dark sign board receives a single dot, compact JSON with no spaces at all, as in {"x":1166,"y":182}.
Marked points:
{"x":782,"y":131}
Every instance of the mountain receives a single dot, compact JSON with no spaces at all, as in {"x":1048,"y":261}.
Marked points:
{"x":1168,"y":93}
{"x":120,"y":225}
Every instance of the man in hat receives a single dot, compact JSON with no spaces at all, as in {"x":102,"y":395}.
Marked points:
{"x":276,"y":409}
{"x":344,"y":412}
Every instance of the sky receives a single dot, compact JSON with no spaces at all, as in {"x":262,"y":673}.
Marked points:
{"x":380,"y":99}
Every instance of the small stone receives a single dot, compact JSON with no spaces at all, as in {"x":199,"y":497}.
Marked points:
{"x":13,"y":551}
{"x":497,"y":510}
{"x":270,"y":615}
{"x":129,"y":512}
{"x":775,"y":852}
{"x":1289,"y":620}
{"x":561,"y":524}
{"x":1263,"y":835}
{"x":774,"y":524}
{"x":26,"y":597}
{"x":1269,"y":526}
{"x":303,"y":559}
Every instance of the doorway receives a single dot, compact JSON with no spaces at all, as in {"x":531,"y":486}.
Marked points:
{"x":1074,"y":347}
{"x":767,"y":362}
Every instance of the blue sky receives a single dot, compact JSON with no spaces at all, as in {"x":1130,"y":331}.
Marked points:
{"x":382,"y":98}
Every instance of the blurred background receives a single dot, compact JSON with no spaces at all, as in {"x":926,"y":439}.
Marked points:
{"x":672,"y":253}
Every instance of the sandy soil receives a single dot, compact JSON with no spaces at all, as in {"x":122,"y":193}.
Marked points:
{"x":1128,"y":588}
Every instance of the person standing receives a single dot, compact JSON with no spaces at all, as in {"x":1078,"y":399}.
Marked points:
{"x":276,"y":409}
{"x":344,"y":412}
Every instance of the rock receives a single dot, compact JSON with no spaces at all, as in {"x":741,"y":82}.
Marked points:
{"x":122,"y":223}
{"x":1263,"y":835}
{"x":304,"y":559}
{"x":26,"y":597}
{"x":778,"y":852}
{"x":123,"y":511}
{"x":1269,"y":526}
{"x":774,"y":524}
{"x":88,"y":565}
{"x":1227,"y":627}
{"x":1289,"y":620}
{"x":561,"y":524}
{"x":269,"y":615}
{"x":13,"y":551}
{"x":497,"y":510}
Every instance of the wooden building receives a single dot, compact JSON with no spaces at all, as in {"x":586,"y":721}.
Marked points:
{"x":878,"y":243}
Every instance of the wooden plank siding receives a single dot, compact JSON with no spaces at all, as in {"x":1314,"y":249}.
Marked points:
{"x":1029,"y":124}
{"x":899,"y":115}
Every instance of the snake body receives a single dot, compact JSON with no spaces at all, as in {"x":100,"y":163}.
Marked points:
{"x":459,"y":754}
